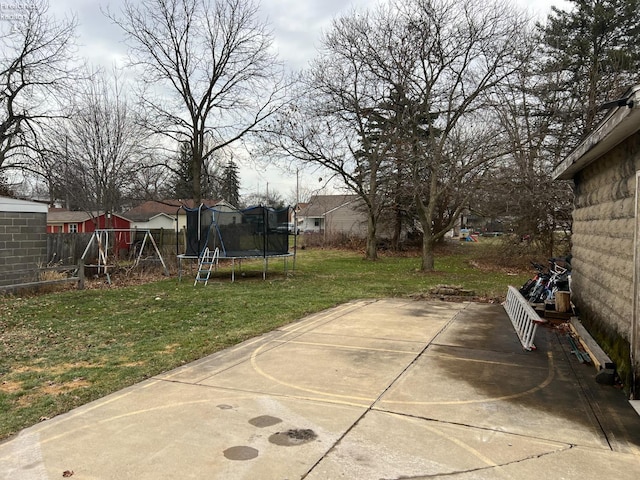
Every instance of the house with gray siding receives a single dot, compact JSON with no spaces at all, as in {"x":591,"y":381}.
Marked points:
{"x":605,"y":168}
{"x":23,"y":240}
{"x":334,"y":214}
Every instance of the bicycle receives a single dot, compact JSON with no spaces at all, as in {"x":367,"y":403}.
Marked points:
{"x":547,"y":281}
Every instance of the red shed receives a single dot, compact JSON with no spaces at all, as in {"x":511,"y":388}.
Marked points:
{"x":63,"y":221}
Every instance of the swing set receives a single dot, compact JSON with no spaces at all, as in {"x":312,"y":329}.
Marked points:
{"x":119,"y":239}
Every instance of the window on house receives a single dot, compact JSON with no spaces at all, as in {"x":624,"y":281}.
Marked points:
{"x":73,"y":228}
{"x":316,"y":222}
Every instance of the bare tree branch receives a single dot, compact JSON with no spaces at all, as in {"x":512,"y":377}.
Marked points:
{"x":36,"y":73}
{"x":212,"y":74}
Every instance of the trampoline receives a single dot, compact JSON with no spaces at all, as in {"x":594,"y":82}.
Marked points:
{"x":257,"y":232}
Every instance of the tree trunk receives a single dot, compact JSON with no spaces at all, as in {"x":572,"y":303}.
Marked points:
{"x":425,"y":216}
{"x":397,"y":229}
{"x":372,"y":247}
{"x":427,"y":252}
{"x":196,"y":170}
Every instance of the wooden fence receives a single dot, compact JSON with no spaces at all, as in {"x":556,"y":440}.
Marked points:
{"x":65,"y":251}
{"x":68,"y":248}
{"x":76,"y":275}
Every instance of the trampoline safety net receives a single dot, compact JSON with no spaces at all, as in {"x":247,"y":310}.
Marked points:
{"x":252,"y":232}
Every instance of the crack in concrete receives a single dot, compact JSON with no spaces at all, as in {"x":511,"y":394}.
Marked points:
{"x":481,"y":469}
{"x":370,"y":407}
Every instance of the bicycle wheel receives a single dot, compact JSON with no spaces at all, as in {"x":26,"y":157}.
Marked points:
{"x":526,"y":288}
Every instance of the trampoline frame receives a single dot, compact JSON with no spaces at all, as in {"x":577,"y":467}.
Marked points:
{"x":264,"y":255}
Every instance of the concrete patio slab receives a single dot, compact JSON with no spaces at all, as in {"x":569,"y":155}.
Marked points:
{"x":370,"y":389}
{"x":414,"y":447}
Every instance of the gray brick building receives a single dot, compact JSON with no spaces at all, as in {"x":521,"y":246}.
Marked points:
{"x":23,"y":240}
{"x":605,"y":169}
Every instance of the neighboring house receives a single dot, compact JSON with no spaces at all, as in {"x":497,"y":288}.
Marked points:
{"x":605,"y":169}
{"x":63,"y":221}
{"x":152,"y":215}
{"x":60,"y":220}
{"x":168,"y":214}
{"x":334,"y":214}
{"x":23,"y":240}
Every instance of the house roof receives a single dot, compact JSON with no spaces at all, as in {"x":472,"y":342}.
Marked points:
{"x":62,"y":215}
{"x":152,"y":208}
{"x":170,"y":217}
{"x":622,"y":121}
{"x":320,"y":205}
{"x":65,"y":216}
{"x":147,"y":210}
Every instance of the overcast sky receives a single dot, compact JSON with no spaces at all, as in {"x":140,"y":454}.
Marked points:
{"x":297,"y":26}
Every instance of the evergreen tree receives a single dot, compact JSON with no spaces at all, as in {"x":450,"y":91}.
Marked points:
{"x":230,"y":184}
{"x":183,"y":175}
{"x":594,"y":51}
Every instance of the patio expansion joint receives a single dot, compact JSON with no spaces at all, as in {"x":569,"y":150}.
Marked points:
{"x":474,"y":427}
{"x":484,"y":469}
{"x":468,"y":359}
{"x":370,"y":408}
{"x":591,"y":405}
{"x":317,"y":399}
{"x":274,"y":343}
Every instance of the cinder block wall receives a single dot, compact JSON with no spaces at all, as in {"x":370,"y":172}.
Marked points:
{"x":23,"y":246}
{"x":602,"y":247}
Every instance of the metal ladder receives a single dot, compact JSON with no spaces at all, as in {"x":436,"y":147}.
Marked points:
{"x":524,"y":318}
{"x":205,"y":265}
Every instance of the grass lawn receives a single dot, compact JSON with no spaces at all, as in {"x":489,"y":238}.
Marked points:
{"x":64,"y":349}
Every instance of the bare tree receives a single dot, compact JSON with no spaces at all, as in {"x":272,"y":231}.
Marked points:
{"x":400,"y":99}
{"x":335,"y":121}
{"x":102,"y":148}
{"x":35,"y":73}
{"x":211,"y":72}
{"x":520,"y":186}
{"x":151,"y":182}
{"x":462,"y":51}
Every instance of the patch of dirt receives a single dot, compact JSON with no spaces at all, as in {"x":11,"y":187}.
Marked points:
{"x":8,"y":386}
{"x":133,"y":364}
{"x":53,"y":389}
{"x":55,"y":370}
{"x":491,"y":266}
{"x":171,"y":348}
{"x":454,"y":293}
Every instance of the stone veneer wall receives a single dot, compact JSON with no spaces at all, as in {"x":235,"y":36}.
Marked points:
{"x":23,"y":246}
{"x":603,"y":245}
